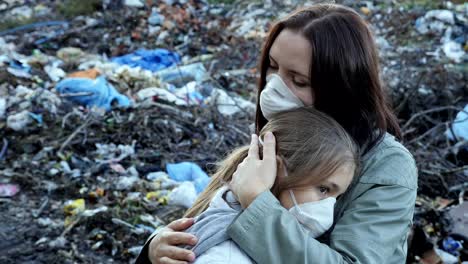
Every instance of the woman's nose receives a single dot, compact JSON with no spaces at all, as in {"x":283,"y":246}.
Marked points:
{"x":285,"y":78}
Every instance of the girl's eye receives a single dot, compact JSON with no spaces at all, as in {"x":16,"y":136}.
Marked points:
{"x":324,"y":189}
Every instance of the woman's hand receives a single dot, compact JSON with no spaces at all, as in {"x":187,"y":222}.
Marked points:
{"x":254,"y":176}
{"x":163,"y":247}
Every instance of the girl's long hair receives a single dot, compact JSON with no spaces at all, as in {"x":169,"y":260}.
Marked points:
{"x":311,"y":144}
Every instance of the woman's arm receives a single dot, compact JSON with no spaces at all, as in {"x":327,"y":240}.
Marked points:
{"x":369,"y":231}
{"x":372,"y":229}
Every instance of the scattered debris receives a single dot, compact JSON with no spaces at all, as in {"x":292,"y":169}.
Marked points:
{"x":8,"y":190}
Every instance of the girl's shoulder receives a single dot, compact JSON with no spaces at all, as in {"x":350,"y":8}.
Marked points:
{"x":389,"y":163}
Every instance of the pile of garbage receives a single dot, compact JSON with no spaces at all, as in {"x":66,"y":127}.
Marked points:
{"x":113,"y":115}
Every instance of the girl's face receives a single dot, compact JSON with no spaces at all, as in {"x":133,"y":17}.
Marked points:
{"x":333,"y":186}
{"x":290,"y":58}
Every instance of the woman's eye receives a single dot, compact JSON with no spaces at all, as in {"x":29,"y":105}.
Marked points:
{"x":324,"y":189}
{"x":300,"y":84}
{"x":273,"y":67}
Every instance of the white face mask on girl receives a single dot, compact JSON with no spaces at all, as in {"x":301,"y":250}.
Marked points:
{"x":316,"y":216}
{"x":277,"y":97}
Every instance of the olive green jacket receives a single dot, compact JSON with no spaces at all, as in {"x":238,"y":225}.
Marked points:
{"x":373,"y":218}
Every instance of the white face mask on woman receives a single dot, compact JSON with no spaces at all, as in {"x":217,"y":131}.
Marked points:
{"x":277,"y":97}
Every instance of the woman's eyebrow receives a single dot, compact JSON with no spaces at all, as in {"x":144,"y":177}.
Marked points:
{"x":290,"y":71}
{"x":298,"y":73}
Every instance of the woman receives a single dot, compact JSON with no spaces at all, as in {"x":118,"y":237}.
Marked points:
{"x":327,"y":57}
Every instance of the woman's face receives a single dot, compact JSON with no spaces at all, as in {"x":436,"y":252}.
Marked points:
{"x":333,"y":186}
{"x":290,"y":58}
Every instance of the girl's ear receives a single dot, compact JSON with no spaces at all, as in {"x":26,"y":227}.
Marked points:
{"x":280,"y":167}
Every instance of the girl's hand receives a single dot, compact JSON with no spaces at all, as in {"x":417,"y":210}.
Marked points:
{"x":254,"y":176}
{"x":163,"y":247}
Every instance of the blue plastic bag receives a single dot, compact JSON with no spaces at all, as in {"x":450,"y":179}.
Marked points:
{"x":459,"y":126}
{"x":98,"y":92}
{"x":153,"y":60}
{"x":188,"y":171}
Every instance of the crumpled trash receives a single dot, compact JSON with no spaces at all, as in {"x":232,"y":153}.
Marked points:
{"x":19,"y":121}
{"x":159,"y":93}
{"x":73,"y":209}
{"x":446,"y":258}
{"x":88,"y":92}
{"x":446,"y":16}
{"x":75,"y":173}
{"x":434,"y":21}
{"x":158,"y":175}
{"x":153,"y":60}
{"x":8,"y":190}
{"x":54,"y":72}
{"x":188,"y":171}
{"x":161,"y":196}
{"x":21,"y":12}
{"x":459,"y":126}
{"x":452,"y":246}
{"x":111,"y":153}
{"x":3,"y":106}
{"x":229,"y":105}
{"x":134,"y":3}
{"x":58,"y":243}
{"x":92,"y":212}
{"x":188,"y":94}
{"x":126,"y":182}
{"x":70,"y":54}
{"x":183,"y":195}
{"x":42,"y":97}
{"x":19,"y":69}
{"x":161,"y":180}
{"x":155,"y":18}
{"x":453,"y":51}
{"x":460,"y":220}
{"x":180,"y":75}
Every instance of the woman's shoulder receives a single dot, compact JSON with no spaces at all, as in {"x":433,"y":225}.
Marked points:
{"x":389,"y":163}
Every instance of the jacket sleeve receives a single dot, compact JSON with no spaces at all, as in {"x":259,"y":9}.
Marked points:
{"x":143,"y":257}
{"x":368,"y":232}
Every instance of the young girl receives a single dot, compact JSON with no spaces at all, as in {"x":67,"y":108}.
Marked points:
{"x":317,"y":162}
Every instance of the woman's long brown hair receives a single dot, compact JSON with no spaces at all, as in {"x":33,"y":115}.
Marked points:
{"x":344,"y":71}
{"x":312,"y":145}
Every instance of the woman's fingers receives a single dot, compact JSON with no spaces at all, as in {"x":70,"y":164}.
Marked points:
{"x":166,"y":260}
{"x":181,"y":224}
{"x":179,"y":238}
{"x":269,"y":148}
{"x":177,"y":253}
{"x":253,"y":149}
